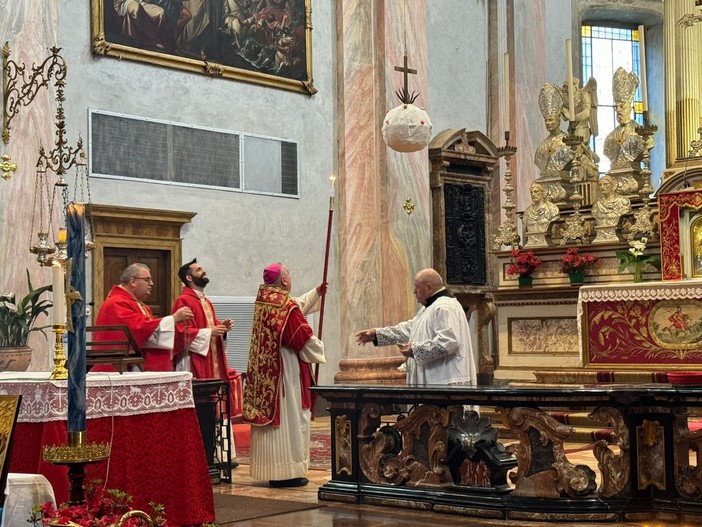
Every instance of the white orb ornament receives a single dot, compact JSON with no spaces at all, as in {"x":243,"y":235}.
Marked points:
{"x":407,"y":128}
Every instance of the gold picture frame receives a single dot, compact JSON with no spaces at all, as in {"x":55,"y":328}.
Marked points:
{"x":267,"y":42}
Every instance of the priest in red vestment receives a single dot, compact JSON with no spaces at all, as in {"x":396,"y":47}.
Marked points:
{"x":124,"y":306}
{"x":277,"y":396}
{"x":200,"y":345}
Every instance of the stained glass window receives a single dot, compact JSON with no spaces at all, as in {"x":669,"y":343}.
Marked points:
{"x":604,"y":50}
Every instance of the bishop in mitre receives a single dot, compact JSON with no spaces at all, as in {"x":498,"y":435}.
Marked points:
{"x":552,"y":156}
{"x":623,"y":146}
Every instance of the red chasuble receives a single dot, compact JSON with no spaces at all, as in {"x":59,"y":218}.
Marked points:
{"x":120,"y":308}
{"x":214,"y":365}
{"x":278,"y":323}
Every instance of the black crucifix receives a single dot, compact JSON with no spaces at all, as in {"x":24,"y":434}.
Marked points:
{"x":404,"y":94}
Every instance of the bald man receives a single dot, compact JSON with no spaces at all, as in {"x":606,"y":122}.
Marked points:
{"x":436,"y":341}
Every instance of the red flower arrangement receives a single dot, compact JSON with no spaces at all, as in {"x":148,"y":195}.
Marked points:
{"x":102,"y":508}
{"x":574,"y":262}
{"x":523,"y":263}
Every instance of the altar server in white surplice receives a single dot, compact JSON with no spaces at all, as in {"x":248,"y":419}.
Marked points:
{"x":436,"y":342}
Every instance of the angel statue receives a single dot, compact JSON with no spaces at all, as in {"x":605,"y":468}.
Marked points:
{"x":585,"y":122}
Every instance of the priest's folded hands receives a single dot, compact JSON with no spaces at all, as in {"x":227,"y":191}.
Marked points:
{"x":406,"y":349}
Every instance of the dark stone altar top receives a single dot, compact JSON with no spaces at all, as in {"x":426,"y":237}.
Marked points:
{"x":569,"y":395}
{"x":426,"y":447}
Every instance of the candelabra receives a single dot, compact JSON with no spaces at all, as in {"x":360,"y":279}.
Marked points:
{"x":20,"y":89}
{"x":642,"y":217}
{"x":575,"y":224}
{"x":508,"y":234}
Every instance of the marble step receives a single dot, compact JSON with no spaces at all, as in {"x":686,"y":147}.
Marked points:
{"x":560,"y":377}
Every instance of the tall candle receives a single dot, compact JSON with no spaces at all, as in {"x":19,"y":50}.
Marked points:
{"x":75,"y":362}
{"x":571,"y":91}
{"x":58,"y":278}
{"x":506,"y":92}
{"x":642,"y":63}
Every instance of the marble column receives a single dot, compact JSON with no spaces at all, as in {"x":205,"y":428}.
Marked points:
{"x":380,"y":245}
{"x":683,"y":56}
{"x":30,"y":29}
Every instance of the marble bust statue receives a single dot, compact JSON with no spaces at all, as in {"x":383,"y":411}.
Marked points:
{"x":607,"y":209}
{"x":538,"y":216}
{"x":552,"y":156}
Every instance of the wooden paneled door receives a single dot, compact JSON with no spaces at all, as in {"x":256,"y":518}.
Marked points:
{"x":118,"y":258}
{"x":125,"y":235}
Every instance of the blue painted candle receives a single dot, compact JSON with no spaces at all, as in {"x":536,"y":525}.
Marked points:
{"x":75,"y":216}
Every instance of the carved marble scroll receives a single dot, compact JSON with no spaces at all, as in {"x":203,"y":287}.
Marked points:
{"x":411,"y":452}
{"x":688,"y":478}
{"x":614,"y":467}
{"x":542,"y":467}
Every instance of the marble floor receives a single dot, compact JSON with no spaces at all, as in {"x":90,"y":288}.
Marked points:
{"x":334,"y":514}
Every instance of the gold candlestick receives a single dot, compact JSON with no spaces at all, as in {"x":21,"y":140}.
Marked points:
{"x":508,"y":234}
{"x":574,"y":224}
{"x":642,"y":218}
{"x":59,"y":371}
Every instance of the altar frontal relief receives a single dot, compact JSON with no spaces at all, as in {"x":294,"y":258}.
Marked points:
{"x":265,"y":43}
{"x":547,"y":335}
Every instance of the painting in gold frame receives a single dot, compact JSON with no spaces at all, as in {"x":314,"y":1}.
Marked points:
{"x":267,"y":42}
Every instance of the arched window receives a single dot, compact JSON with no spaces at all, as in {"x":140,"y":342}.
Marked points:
{"x":604,"y":49}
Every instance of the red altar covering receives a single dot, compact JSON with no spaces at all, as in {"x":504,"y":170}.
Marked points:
{"x":669,"y":207}
{"x":641,"y":324}
{"x":150,"y":420}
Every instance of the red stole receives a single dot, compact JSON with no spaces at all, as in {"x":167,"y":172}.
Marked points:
{"x":264,"y":371}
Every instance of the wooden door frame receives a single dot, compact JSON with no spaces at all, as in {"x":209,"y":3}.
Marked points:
{"x":134,"y":228}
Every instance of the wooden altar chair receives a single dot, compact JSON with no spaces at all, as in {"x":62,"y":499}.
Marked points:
{"x":120,"y":350}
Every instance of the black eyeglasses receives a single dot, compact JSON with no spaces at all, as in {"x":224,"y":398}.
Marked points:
{"x":147,"y":280}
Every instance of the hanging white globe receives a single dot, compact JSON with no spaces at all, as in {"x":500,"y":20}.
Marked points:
{"x":407,"y":128}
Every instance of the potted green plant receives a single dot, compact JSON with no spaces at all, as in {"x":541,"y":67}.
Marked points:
{"x":17,"y":319}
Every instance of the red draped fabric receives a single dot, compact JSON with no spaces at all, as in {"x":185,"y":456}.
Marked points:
{"x":155,"y":457}
{"x":148,"y":418}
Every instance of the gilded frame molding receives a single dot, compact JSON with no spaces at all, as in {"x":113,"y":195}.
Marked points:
{"x":111,"y":41}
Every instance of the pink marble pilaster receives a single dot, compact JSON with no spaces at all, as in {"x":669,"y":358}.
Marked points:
{"x":380,"y":246}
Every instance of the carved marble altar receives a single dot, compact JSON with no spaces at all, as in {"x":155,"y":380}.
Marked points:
{"x":436,"y":456}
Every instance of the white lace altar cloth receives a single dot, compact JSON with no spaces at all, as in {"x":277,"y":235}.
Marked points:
{"x":108,"y":394}
{"x":687,"y":289}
